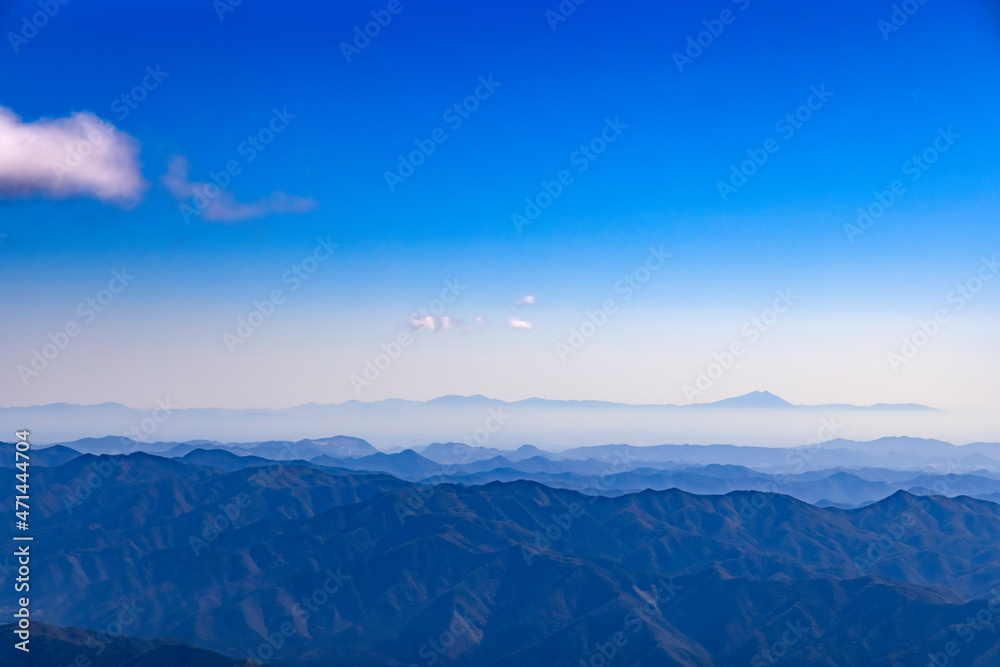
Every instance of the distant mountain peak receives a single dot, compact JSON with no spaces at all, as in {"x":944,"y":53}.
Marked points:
{"x":454,"y":399}
{"x":755,"y":399}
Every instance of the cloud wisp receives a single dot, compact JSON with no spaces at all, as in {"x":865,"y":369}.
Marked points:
{"x":216,"y":204}
{"x":430,"y":323}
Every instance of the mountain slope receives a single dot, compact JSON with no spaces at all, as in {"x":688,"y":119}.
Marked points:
{"x":51,"y":646}
{"x":368,"y":570}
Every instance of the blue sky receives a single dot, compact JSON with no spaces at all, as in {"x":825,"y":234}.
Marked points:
{"x":344,"y":124}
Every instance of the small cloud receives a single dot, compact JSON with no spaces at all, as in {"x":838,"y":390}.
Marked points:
{"x":427,"y":323}
{"x":443,"y":323}
{"x":430,"y":323}
{"x":526,"y":300}
{"x":59,"y":158}
{"x":479,"y":319}
{"x":515,"y":323}
{"x":216,"y":204}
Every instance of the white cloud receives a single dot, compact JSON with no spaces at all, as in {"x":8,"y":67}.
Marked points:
{"x":515,"y":323}
{"x":444,"y":323}
{"x":219,"y":205}
{"x":78,"y":156}
{"x":526,"y":300}
{"x":428,"y":323}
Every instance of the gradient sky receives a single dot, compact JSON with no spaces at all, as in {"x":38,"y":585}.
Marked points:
{"x":655,"y":185}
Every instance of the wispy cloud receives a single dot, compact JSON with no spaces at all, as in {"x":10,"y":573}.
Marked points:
{"x":430,"y":323}
{"x":216,"y":204}
{"x":444,"y":323}
{"x":526,"y":300}
{"x":515,"y":323}
{"x":77,"y":156}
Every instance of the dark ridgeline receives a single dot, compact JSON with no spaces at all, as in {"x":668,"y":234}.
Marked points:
{"x":55,"y":647}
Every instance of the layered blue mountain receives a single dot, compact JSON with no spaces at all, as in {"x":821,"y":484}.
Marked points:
{"x":839,"y":473}
{"x":757,"y":418}
{"x":298,"y":564}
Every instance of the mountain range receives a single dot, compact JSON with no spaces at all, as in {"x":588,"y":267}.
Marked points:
{"x":295,"y":563}
{"x":839,"y":473}
{"x":758,"y":418}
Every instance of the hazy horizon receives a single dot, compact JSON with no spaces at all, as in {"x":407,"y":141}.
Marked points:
{"x":525,"y":398}
{"x":759,"y":419}
{"x":609,"y":226}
